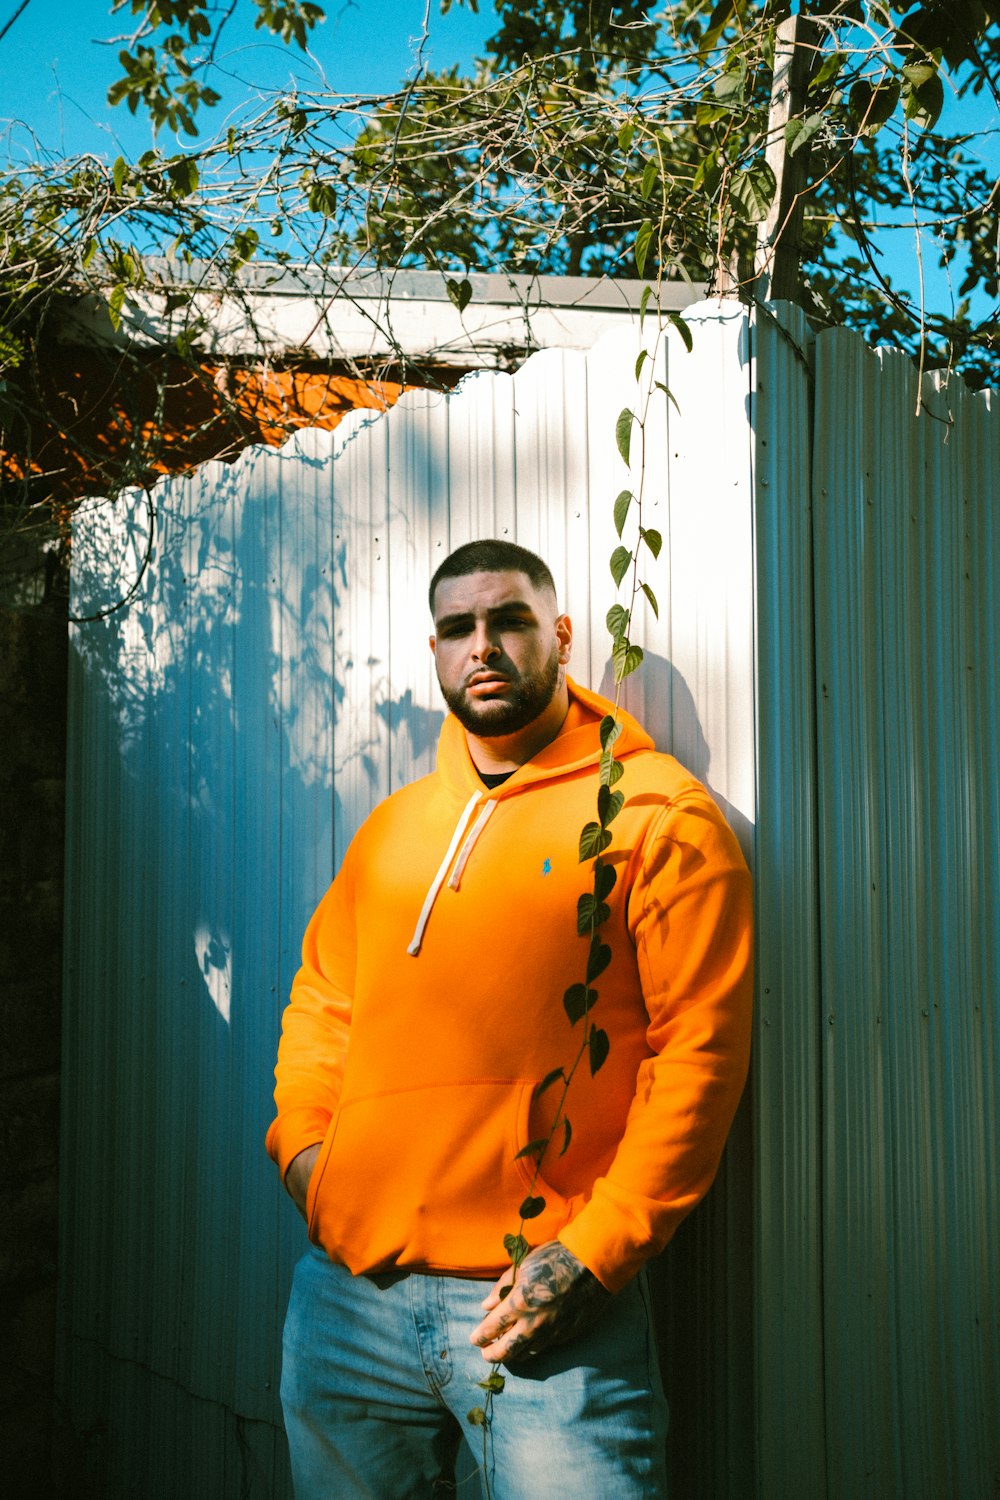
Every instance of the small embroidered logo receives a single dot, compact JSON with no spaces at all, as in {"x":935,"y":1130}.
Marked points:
{"x":547,"y":867}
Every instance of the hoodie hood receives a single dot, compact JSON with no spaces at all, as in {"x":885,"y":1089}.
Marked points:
{"x":575,"y":747}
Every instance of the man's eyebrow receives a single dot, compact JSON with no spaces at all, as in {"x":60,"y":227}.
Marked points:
{"x":513,"y":606}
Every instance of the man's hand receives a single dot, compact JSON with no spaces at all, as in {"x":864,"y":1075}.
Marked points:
{"x":298,"y":1175}
{"x":549,"y":1299}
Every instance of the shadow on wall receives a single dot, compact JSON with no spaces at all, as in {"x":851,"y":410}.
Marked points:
{"x":204,"y":820}
{"x":667,"y":710}
{"x":709,"y":1249}
{"x":202,"y":829}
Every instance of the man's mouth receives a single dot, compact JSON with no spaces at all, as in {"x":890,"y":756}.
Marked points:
{"x":484,"y":683}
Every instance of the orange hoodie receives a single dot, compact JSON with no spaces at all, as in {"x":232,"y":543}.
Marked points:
{"x":429,"y":1005}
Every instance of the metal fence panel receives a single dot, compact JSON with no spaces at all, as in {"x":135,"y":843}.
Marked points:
{"x":907,"y":571}
{"x":787,"y":1227}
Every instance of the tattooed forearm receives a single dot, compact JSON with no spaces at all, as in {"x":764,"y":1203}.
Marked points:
{"x":552,"y":1298}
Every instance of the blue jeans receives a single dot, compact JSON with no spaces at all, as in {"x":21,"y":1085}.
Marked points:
{"x":379,"y":1376}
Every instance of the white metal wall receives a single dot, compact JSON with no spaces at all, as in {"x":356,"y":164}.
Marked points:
{"x":908,"y":721}
{"x":230,"y":728}
{"x":824,"y":659}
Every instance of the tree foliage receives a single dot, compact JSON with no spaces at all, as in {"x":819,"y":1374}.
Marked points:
{"x":592,"y":139}
{"x":173,"y":46}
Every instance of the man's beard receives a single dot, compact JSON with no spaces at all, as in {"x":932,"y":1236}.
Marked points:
{"x":524,"y":700}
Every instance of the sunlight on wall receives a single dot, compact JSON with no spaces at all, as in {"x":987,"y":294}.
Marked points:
{"x":213,"y":950}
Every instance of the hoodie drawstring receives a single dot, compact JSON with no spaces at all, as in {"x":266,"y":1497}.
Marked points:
{"x":438,"y":881}
{"x":470,"y":844}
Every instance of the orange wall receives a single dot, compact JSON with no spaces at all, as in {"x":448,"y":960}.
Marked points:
{"x":101,"y":421}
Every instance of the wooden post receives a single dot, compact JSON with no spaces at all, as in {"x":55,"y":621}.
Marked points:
{"x":778,"y":240}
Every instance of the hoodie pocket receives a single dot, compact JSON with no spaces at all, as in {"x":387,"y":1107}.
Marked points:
{"x":427,"y":1176}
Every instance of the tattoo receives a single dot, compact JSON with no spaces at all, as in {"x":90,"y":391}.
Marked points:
{"x":553,"y":1297}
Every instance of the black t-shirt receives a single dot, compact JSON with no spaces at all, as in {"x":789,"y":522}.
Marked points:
{"x":494,"y":778}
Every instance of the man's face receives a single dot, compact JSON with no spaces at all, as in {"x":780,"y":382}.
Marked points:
{"x":499,"y":648}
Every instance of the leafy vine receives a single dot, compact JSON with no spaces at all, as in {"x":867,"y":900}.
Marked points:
{"x":596,"y":836}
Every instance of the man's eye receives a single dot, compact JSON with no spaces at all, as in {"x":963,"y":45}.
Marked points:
{"x":512,"y":622}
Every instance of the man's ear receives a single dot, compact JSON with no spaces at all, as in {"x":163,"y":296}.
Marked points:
{"x":432,"y":642}
{"x":564,"y":636}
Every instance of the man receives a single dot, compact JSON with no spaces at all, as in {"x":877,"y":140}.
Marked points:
{"x":431,"y":1004}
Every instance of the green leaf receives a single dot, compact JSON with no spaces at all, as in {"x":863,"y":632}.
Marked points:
{"x":623,"y":432}
{"x":647,"y":292}
{"x":669,"y":395}
{"x":460,"y":293}
{"x":918,"y":73}
{"x":493,"y":1383}
{"x":611,"y":770}
{"x":620,"y":559}
{"x":532,"y":1148}
{"x":643,"y":236}
{"x":593,"y":841}
{"x":323,"y":198}
{"x":708,"y":114}
{"x":119,"y":172}
{"x":231,"y":140}
{"x":611,"y":728}
{"x":567,"y":1137}
{"x":625,"y":135}
{"x":653,"y":540}
{"x":598,"y":958}
{"x":728,"y":87}
{"x":716,"y":24}
{"x":925,"y":101}
{"x":617,"y":623}
{"x":643,"y":356}
{"x":476,"y":1416}
{"x":609,"y":805}
{"x":799,"y":133}
{"x":650,"y":172}
{"x":872,"y":104}
{"x":115,"y":301}
{"x":577,"y":1001}
{"x":245,"y":242}
{"x":598,"y":1047}
{"x":752,"y":191}
{"x":590,"y":913}
{"x":828,"y":72}
{"x":516,"y":1246}
{"x":89,"y":251}
{"x":626,"y":659}
{"x":708,"y":174}
{"x":183,"y":174}
{"x":684,"y":329}
{"x":622,"y":504}
{"x":548,"y":1081}
{"x":605,"y":877}
{"x":532,"y":1207}
{"x":652,"y":599}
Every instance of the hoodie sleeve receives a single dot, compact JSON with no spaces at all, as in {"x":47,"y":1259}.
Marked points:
{"x":316,"y":1025}
{"x":690,"y":918}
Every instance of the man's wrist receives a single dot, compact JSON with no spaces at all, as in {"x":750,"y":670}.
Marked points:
{"x":300,"y":1170}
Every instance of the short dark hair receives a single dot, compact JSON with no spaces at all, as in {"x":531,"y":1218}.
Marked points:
{"x":492,"y":555}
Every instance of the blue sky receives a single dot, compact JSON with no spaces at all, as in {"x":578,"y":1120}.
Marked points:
{"x":57,"y":65}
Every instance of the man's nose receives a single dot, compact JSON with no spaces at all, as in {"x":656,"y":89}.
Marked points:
{"x":484,"y":647}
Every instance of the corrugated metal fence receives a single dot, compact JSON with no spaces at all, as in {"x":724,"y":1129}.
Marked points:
{"x":823,"y":658}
